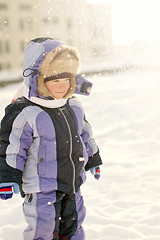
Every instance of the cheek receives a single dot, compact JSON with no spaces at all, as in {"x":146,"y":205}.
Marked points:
{"x":51,"y":87}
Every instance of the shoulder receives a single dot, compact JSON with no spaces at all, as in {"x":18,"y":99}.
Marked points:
{"x":77,"y":108}
{"x":17,"y":105}
{"x":75,"y":103}
{"x":13,"y":109}
{"x":22,"y":107}
{"x":29,"y":111}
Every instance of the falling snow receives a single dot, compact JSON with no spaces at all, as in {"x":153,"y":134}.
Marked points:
{"x":124,"y":204}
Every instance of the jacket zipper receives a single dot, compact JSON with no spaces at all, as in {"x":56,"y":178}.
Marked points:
{"x":70,"y":153}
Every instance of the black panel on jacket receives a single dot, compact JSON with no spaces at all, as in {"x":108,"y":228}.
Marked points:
{"x":65,"y":174}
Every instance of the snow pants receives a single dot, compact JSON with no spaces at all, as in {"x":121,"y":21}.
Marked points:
{"x":54,"y":214}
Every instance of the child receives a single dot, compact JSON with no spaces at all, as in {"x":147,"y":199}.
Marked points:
{"x":46,"y":144}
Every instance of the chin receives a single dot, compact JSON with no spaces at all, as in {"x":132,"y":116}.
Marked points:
{"x":59,"y":97}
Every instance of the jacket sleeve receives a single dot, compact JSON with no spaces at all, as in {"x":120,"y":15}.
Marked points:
{"x":20,"y":140}
{"x":15,"y":139}
{"x":94,"y":158}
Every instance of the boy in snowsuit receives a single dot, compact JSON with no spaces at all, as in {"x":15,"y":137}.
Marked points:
{"x":46,"y":144}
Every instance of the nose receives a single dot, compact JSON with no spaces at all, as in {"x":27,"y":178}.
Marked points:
{"x":61,"y":85}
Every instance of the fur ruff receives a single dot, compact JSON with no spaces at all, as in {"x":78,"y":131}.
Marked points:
{"x":59,"y":60}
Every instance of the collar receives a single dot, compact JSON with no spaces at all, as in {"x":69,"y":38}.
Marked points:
{"x":49,"y":103}
{"x":55,"y":103}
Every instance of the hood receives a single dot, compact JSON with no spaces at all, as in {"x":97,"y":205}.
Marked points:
{"x":45,"y":57}
{"x":34,"y":55}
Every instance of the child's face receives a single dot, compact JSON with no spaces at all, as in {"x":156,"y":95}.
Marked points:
{"x":58,"y":87}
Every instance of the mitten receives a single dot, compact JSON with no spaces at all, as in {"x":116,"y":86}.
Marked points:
{"x":7,"y":189}
{"x":96,"y":172}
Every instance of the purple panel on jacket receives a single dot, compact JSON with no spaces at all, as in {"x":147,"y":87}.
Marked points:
{"x":89,"y":149}
{"x":25,"y":142}
{"x":47,"y":157}
{"x":79,"y":116}
{"x":80,"y":208}
{"x":83,"y":175}
{"x":85,"y":136}
{"x":46,"y":215}
{"x":81,"y":211}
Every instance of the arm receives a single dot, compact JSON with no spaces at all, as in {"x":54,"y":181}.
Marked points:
{"x":12,"y":151}
{"x":20,"y":138}
{"x":94,"y":158}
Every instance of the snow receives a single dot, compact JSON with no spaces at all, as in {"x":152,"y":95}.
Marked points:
{"x":124,"y":204}
{"x":12,"y":76}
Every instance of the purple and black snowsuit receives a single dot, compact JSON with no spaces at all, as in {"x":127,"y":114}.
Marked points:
{"x":46,"y":146}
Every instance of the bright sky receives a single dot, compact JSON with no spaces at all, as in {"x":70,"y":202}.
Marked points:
{"x":134,"y":20}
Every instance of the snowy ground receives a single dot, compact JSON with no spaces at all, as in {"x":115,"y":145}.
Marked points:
{"x":124,"y":204}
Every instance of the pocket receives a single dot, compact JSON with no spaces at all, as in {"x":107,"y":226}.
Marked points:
{"x":42,"y":160}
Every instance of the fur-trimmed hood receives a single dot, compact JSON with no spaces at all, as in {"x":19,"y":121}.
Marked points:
{"x":62,"y":59}
{"x":46,"y":57}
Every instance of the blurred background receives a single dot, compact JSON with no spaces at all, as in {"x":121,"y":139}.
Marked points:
{"x":119,"y":44}
{"x":111,"y":35}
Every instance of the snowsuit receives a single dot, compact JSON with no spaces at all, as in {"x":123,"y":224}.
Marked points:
{"x":46,"y":146}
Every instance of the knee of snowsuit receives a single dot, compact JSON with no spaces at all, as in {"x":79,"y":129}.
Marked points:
{"x":55,"y":212}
